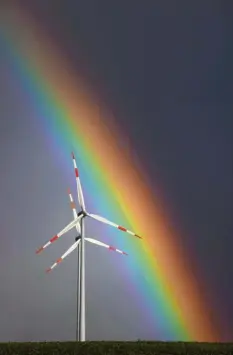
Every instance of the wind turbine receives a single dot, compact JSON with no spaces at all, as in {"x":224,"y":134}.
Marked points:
{"x":78,"y":223}
{"x":77,"y":245}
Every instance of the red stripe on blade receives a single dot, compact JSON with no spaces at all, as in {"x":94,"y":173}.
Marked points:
{"x":39,"y":250}
{"x":76,"y":172}
{"x":59,"y":260}
{"x":111,"y":248}
{"x":53,"y":239}
{"x":48,"y":270}
{"x":72,"y":205}
{"x":122,"y":228}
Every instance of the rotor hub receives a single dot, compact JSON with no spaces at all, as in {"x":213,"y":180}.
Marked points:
{"x":82,"y":214}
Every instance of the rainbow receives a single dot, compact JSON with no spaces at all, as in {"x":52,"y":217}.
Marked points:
{"x":68,"y":112}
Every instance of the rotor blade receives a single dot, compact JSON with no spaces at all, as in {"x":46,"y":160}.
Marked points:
{"x":72,"y":248}
{"x":73,"y":207}
{"x":78,"y":183}
{"x":63,"y":231}
{"x":110,"y":247}
{"x":104,"y":220}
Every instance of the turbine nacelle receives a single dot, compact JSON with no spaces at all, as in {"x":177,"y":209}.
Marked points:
{"x":82,"y":214}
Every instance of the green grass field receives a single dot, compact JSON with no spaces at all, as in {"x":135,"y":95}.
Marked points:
{"x":116,"y":348}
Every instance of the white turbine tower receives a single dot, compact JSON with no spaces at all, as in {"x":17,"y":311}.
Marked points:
{"x":78,"y":223}
{"x":78,"y":228}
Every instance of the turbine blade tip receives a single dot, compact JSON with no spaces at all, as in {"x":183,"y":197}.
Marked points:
{"x":138,"y":236}
{"x":38,"y":251}
{"x":48,"y":270}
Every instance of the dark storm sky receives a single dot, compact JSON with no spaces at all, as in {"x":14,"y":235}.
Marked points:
{"x":165,"y":70}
